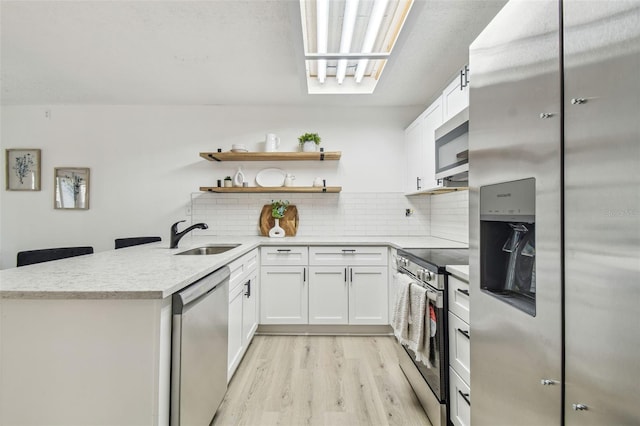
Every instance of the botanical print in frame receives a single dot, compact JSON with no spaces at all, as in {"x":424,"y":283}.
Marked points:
{"x":71,"y":188}
{"x":22,"y":167}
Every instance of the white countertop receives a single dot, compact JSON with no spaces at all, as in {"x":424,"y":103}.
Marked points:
{"x":153,"y":271}
{"x":460,"y":271}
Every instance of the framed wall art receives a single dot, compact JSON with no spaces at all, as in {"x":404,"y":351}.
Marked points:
{"x":71,"y":188}
{"x":22,"y":166}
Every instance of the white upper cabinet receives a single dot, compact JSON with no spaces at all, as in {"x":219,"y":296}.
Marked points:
{"x":420,"y":148}
{"x":419,"y":137}
{"x":455,"y":97}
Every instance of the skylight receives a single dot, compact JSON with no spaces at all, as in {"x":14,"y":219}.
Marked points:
{"x":348,"y":42}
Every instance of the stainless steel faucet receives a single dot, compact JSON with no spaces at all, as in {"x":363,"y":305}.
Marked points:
{"x":176,"y":236}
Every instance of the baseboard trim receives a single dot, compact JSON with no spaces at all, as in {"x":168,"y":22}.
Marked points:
{"x":324,"y":330}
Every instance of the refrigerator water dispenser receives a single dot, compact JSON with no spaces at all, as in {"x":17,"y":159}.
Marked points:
{"x":507,"y":243}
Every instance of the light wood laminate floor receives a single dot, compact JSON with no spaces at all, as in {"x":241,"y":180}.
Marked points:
{"x":320,"y":380}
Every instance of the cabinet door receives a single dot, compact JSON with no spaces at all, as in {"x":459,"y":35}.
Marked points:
{"x":420,"y":148}
{"x":235,"y":331}
{"x":328,"y":295}
{"x":460,"y":347}
{"x":368,"y":295}
{"x":283,"y":295}
{"x":460,"y":397}
{"x":454,"y":99}
{"x":414,"y":151}
{"x":249,"y":309}
{"x":432,"y":119}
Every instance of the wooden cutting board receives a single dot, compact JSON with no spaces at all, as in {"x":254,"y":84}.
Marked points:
{"x":289,"y":222}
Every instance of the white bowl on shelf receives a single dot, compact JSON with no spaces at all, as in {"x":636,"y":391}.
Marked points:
{"x":238,"y":147}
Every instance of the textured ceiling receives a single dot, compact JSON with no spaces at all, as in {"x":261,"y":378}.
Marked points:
{"x":210,"y":53}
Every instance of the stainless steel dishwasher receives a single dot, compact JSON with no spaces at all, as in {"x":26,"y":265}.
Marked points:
{"x":199,"y":349}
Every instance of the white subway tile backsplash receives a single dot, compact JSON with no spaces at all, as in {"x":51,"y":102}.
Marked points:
{"x":449,"y":216}
{"x":356,"y":214}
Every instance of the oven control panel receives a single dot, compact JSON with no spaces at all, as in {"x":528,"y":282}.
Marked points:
{"x":420,"y":273}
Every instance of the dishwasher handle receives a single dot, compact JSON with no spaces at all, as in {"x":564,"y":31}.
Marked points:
{"x":198,"y":289}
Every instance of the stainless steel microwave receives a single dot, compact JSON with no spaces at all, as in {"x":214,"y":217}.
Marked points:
{"x":452,"y":148}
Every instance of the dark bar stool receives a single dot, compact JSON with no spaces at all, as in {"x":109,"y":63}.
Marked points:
{"x":30,"y":257}
{"x":135,"y":241}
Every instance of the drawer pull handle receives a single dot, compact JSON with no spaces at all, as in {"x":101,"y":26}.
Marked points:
{"x":465,"y":333}
{"x":284,"y":250}
{"x":348,"y":250}
{"x":248,"y":285}
{"x":465,"y":292}
{"x":465,"y":396}
{"x":345,"y":275}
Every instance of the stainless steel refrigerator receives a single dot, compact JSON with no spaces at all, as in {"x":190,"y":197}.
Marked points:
{"x":554,"y":237}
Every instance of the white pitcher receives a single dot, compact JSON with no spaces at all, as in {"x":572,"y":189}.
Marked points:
{"x":271,"y":142}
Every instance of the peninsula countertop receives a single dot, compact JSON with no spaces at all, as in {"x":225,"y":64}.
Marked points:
{"x":153,"y":271}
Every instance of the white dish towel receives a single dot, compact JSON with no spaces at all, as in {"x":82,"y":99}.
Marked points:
{"x":400,"y":317}
{"x":420,"y":328}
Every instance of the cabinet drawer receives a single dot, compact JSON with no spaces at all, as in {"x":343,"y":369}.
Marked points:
{"x":348,"y":255}
{"x":241,"y":267}
{"x":284,"y":256}
{"x":459,"y":298}
{"x":460,"y":397}
{"x":460,"y":346}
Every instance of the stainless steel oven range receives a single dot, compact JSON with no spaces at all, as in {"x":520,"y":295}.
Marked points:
{"x":431,"y":384}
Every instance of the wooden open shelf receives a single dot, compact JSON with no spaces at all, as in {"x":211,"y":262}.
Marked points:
{"x":259,"y":189}
{"x":271,"y":156}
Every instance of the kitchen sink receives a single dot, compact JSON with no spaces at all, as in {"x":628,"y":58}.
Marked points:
{"x":210,"y":249}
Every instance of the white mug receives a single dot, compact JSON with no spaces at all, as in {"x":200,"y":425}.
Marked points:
{"x":271,"y":142}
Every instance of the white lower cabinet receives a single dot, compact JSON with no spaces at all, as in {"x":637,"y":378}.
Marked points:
{"x":243,"y":308}
{"x":234,"y":349}
{"x":250,"y":307}
{"x":459,"y":347}
{"x":368,"y":295}
{"x":328,"y":295}
{"x":348,"y":295}
{"x":284,"y":295}
{"x":459,"y":351}
{"x":348,"y":285}
{"x":460,"y":400}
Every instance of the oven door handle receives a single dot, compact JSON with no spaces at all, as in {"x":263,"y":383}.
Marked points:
{"x":436,"y":296}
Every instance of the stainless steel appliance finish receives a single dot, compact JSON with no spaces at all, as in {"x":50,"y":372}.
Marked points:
{"x":199,"y":349}
{"x":452,"y":148}
{"x":515,"y":126}
{"x":515,"y":358}
{"x":602,"y":212}
{"x":431,"y":384}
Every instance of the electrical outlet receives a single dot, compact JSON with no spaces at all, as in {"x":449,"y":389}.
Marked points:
{"x":47,"y":114}
{"x":408,"y":212}
{"x":187,"y":210}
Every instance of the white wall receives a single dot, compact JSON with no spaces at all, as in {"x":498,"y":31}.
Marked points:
{"x":144,"y":162}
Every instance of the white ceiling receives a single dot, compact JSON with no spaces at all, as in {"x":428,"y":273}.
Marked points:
{"x":215,"y":52}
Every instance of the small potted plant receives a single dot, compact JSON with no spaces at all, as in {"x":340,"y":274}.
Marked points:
{"x":278,"y":208}
{"x":309,"y":142}
{"x":227,"y":182}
